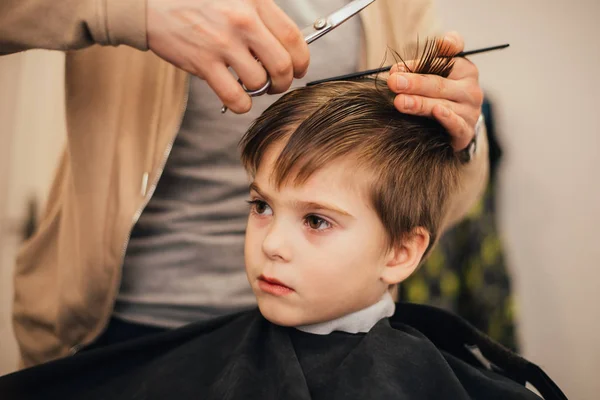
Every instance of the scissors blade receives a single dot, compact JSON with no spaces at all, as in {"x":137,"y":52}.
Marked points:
{"x":348,"y":11}
{"x":332,"y":21}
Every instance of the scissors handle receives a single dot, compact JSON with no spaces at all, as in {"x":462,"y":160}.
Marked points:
{"x":252,"y":93}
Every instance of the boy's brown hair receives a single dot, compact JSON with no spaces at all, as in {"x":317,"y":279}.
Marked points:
{"x":413,"y":165}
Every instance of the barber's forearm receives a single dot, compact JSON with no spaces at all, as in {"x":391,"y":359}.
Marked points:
{"x":71,"y":24}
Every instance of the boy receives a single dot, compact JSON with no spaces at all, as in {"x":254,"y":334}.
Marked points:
{"x":345,"y":200}
{"x":346,"y":197}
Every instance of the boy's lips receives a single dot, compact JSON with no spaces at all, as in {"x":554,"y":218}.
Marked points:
{"x":273,"y":286}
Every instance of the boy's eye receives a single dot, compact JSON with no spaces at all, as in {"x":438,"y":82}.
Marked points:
{"x":260,"y":207}
{"x":317,"y":223}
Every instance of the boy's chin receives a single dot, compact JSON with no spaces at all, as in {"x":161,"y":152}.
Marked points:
{"x":278,"y":314}
{"x":284,"y":315}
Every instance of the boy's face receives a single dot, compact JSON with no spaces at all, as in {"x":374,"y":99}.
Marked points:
{"x":316,"y":251}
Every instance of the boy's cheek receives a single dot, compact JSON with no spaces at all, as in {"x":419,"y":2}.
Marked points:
{"x":257,"y":221}
{"x":252,"y":249}
{"x":255,"y":230}
{"x":320,"y":239}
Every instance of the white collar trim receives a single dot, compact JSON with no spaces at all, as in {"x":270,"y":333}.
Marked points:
{"x":360,"y":321}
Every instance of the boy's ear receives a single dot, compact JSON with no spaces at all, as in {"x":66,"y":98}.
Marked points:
{"x":405,"y":257}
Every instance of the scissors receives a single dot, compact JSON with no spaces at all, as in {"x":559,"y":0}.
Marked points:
{"x":313,"y":32}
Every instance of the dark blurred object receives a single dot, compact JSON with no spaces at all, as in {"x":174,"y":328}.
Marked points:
{"x":31,"y":220}
{"x":494,"y":146}
{"x":466,"y":273}
{"x":23,"y":228}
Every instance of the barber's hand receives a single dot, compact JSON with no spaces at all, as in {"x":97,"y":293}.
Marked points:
{"x":204,"y":37}
{"x":454,"y":101}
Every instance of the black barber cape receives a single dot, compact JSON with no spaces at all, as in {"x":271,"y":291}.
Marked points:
{"x":419,"y":353}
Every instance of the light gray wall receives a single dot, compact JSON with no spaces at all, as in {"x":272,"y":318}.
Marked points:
{"x":546,"y":89}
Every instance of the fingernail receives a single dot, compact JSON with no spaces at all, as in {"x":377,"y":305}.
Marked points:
{"x":450,"y":40}
{"x":401,"y":82}
{"x":401,"y":67}
{"x":408,"y":102}
{"x":445,"y":112}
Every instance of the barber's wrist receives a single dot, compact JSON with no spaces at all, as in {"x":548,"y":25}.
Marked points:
{"x":465,"y":155}
{"x":125,"y":22}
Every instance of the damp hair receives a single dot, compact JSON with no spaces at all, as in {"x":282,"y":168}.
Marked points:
{"x":412,"y":165}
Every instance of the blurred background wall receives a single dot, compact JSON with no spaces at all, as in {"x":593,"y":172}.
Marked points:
{"x":545,"y":91}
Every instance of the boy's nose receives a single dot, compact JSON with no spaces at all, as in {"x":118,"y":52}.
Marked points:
{"x":275,"y":244}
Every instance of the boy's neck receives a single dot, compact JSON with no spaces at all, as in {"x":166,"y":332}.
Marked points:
{"x":360,"y":321}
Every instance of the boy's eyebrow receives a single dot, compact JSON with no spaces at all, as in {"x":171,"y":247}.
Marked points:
{"x":320,"y":206}
{"x":254,"y":186}
{"x":305,"y":204}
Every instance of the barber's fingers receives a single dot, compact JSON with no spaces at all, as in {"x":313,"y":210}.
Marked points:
{"x":280,"y":47}
{"x":403,"y":66}
{"x":248,"y":69}
{"x":454,"y":101}
{"x":455,"y":117}
{"x":423,"y":106}
{"x":452,"y":43}
{"x":460,"y":131}
{"x":231,"y":93}
{"x":205,"y":37}
{"x":288,"y":34}
{"x":434,"y":86}
{"x":274,"y":58}
{"x":464,"y":69}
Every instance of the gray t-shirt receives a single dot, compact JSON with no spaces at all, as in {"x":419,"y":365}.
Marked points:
{"x":185,"y":258}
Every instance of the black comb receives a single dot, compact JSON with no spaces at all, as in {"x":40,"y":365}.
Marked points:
{"x":360,"y":74}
